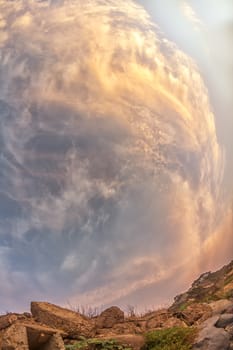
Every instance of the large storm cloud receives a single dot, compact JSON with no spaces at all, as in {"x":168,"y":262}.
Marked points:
{"x":110,"y":169}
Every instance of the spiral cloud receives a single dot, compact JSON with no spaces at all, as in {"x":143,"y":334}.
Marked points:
{"x":110,"y":168}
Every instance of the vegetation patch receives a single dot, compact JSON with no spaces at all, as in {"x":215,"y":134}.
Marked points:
{"x":183,"y":306}
{"x":176,"y":338}
{"x":97,"y":344}
{"x":220,"y":296}
{"x":211,"y":297}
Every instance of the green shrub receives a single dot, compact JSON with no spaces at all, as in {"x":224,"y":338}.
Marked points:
{"x":210,"y":298}
{"x":97,"y":344}
{"x":176,"y":338}
{"x":183,"y":306}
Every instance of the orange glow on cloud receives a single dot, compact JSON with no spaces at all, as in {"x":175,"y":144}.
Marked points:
{"x":96,"y":62}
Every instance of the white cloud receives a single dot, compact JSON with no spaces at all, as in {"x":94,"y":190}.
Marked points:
{"x":192,"y":16}
{"x":109,"y":146}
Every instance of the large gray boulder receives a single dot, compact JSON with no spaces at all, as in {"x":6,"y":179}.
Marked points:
{"x":212,"y":338}
{"x":224,"y":321}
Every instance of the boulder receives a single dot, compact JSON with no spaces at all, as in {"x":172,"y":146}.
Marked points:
{"x":224,"y":321}
{"x":72,"y":323}
{"x":212,"y":338}
{"x":21,"y":336}
{"x":44,"y":337}
{"x":55,"y":342}
{"x":216,"y":339}
{"x":9,"y":319}
{"x":15,"y":338}
{"x":221,"y":306}
{"x":109,"y":317}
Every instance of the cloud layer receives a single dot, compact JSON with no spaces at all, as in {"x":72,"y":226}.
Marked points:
{"x":110,"y":169}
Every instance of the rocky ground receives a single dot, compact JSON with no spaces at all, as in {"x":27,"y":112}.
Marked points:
{"x":201,"y":318}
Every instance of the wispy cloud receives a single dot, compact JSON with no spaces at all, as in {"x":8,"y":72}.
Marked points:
{"x":109,"y":148}
{"x":191,"y":15}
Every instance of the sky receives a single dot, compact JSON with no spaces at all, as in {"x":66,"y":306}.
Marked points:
{"x":203,"y":29}
{"x":115,"y":149}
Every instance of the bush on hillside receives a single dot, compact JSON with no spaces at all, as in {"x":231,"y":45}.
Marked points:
{"x":176,"y":338}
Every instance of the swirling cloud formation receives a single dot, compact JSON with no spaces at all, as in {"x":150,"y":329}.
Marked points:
{"x":110,"y":169}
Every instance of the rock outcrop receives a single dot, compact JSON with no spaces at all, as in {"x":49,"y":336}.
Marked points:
{"x":11,"y":318}
{"x":194,"y":314}
{"x":30,"y":336}
{"x":72,"y":323}
{"x":209,"y":287}
{"x":206,"y":307}
{"x":212,"y":337}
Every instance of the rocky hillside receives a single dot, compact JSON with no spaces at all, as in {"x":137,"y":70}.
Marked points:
{"x":210,"y":286}
{"x":201,"y":318}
